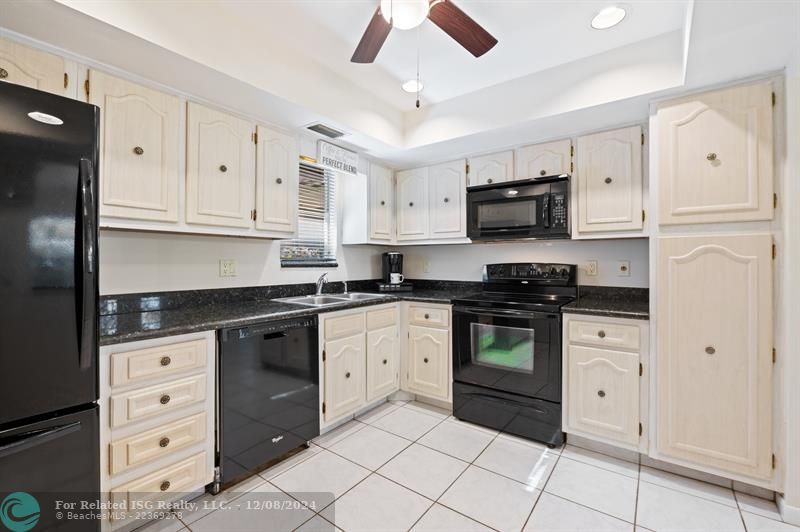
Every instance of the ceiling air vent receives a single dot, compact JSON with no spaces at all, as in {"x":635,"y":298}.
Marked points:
{"x":326,"y":131}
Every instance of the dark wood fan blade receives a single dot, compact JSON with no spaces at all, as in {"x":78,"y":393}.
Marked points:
{"x":461,"y":27}
{"x":372,"y":40}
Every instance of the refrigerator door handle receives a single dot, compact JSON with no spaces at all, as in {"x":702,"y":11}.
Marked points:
{"x":87,"y":307}
{"x":31,"y":439}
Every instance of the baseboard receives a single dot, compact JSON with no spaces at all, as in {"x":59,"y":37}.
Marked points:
{"x":790,"y":514}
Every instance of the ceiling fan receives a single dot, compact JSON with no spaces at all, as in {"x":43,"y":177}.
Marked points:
{"x":407,"y":14}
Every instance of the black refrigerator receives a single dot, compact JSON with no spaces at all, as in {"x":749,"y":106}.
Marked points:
{"x":49,"y":433}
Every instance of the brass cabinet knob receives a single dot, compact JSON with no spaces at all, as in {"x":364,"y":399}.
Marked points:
{"x":601,"y":334}
{"x":383,"y":202}
{"x":347,"y":375}
{"x":711,"y":156}
{"x":384,"y":361}
{"x":601,"y":393}
{"x":542,"y":172}
{"x":279,"y":180}
{"x":138,"y":150}
{"x":163,"y":442}
{"x":165,"y":399}
{"x":490,"y":180}
{"x":410,"y":203}
{"x":166,"y":361}
{"x":427,"y":316}
{"x":447,"y":200}
{"x":3,"y":73}
{"x":425,"y":360}
{"x":710,"y":350}
{"x":165,"y":485}
{"x":608,"y":180}
{"x":223,"y":168}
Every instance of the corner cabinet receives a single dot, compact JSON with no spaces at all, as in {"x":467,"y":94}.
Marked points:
{"x":140,"y":139}
{"x":277,"y":183}
{"x":608,"y":182}
{"x":549,"y":158}
{"x":715,"y":153}
{"x":491,"y":169}
{"x":412,"y":204}
{"x":714,"y":364}
{"x":36,"y":69}
{"x":220,"y":168}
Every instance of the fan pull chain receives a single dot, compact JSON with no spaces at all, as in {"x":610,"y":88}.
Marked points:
{"x":418,"y":30}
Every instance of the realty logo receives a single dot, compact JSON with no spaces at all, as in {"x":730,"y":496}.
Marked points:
{"x":19,"y":511}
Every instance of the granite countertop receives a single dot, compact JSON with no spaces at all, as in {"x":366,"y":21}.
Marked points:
{"x":141,"y":316}
{"x":611,"y":301}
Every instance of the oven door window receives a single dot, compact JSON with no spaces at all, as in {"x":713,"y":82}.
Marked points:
{"x":506,"y":348}
{"x":507,"y":214}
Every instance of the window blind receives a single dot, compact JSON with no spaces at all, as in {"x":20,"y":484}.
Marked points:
{"x":315,"y":244}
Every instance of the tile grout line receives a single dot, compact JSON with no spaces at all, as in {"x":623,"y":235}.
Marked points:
{"x":538,"y":497}
{"x":636,"y":500}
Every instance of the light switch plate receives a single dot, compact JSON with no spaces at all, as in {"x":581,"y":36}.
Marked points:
{"x":227,"y":268}
{"x":623,"y":268}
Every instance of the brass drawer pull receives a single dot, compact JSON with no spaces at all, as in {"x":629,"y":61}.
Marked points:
{"x":427,"y":316}
{"x":710,"y":350}
{"x":601,"y":393}
{"x":711,"y":156}
{"x":279,"y":180}
{"x":384,"y":361}
{"x":165,"y":399}
{"x":165,"y":485}
{"x":490,"y":180}
{"x":542,"y":172}
{"x":425,"y":360}
{"x":166,"y":361}
{"x":163,"y":442}
{"x":3,"y":73}
{"x":601,"y":334}
{"x":447,"y":200}
{"x":223,"y":168}
{"x":138,"y":150}
{"x":347,"y":375}
{"x":410,"y":203}
{"x":608,"y":180}
{"x":383,"y":202}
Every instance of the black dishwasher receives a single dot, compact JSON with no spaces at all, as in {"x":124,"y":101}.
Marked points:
{"x":268,"y":394}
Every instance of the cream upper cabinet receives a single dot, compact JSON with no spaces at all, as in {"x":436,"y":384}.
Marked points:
{"x":715,"y":159}
{"x":382,"y":362}
{"x":609,"y":181}
{"x":447,"y":197}
{"x":32,"y":68}
{"x":412,"y":204}
{"x":381,"y":203}
{"x":220,"y":168}
{"x":277,"y":182}
{"x":492,"y":168}
{"x":714,"y":363}
{"x":140,"y":136}
{"x":428,"y":361}
{"x":345,"y":367}
{"x":549,"y":158}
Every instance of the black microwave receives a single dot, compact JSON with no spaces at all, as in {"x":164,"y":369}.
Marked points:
{"x":530,"y":208}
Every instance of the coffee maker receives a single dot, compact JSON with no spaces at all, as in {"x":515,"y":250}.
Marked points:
{"x":392,"y":279}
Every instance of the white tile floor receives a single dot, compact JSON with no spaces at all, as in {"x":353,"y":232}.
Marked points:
{"x":409,"y":466}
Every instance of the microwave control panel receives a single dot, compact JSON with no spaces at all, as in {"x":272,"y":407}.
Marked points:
{"x":558,"y":210}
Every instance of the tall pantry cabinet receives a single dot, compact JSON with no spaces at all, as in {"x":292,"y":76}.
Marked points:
{"x":713,"y":283}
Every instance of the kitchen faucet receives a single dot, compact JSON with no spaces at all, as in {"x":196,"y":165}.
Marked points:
{"x":321,"y":281}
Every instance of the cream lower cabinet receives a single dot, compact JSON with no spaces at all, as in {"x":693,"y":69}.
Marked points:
{"x":345,"y":375}
{"x":428,"y":353}
{"x":36,"y":69}
{"x":714,"y":353}
{"x":604,"y":391}
{"x":157,"y":405}
{"x":382,"y":359}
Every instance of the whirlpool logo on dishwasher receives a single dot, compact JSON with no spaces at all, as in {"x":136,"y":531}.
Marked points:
{"x":19,"y":511}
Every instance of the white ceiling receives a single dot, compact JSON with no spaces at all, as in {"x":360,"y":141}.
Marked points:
{"x":533,"y":35}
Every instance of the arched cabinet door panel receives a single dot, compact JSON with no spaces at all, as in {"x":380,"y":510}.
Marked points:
{"x":32,"y":68}
{"x":344,"y":376}
{"x":428,"y":351}
{"x":491,"y":169}
{"x":382,"y":362}
{"x":549,"y":158}
{"x":447,"y":199}
{"x":277,"y":182}
{"x":412,"y":204}
{"x":381,"y":202}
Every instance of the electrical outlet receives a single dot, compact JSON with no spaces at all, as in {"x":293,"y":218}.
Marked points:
{"x":623,"y":268}
{"x":591,"y":268}
{"x":227,"y":268}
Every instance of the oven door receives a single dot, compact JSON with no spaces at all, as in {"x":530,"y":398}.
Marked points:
{"x":508,"y":350}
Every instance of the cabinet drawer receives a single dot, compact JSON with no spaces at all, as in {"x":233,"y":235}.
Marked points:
{"x":612,"y":335}
{"x":165,"y":484}
{"x":136,"y":366}
{"x":147,"y":402}
{"x":378,"y":319}
{"x":344,"y":326}
{"x":429,"y":316}
{"x":135,"y":450}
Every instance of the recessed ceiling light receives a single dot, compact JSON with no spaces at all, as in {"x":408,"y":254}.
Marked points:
{"x":405,"y":14}
{"x":608,"y":17}
{"x":413,"y":85}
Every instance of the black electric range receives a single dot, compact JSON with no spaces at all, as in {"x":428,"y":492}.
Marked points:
{"x":507,"y":349}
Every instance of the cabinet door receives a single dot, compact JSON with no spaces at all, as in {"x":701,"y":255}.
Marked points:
{"x":32,"y":68}
{"x":382,"y":359}
{"x":447,"y":199}
{"x":715,"y":156}
{"x":603,"y":393}
{"x":412,"y":204}
{"x":220,"y":168}
{"x":714,"y":364}
{"x":344,"y":376}
{"x":610,"y":181}
{"x":428,"y":355}
{"x":381,"y":202}
{"x":493,"y":168}
{"x":550,"y":158}
{"x":140,"y":136}
{"x":277,"y":182}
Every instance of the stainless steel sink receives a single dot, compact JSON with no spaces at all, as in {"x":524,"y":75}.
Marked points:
{"x":328,"y":299}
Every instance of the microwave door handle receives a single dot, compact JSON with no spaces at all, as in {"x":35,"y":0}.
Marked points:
{"x":546,"y":211}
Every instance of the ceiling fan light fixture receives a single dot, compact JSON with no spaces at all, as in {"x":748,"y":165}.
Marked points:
{"x":413,"y":86}
{"x":608,"y":17}
{"x":405,"y":14}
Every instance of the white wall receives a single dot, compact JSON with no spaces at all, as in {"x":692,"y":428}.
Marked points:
{"x":463,"y":262}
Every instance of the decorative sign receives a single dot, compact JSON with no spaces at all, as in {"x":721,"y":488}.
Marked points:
{"x":337,"y":158}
